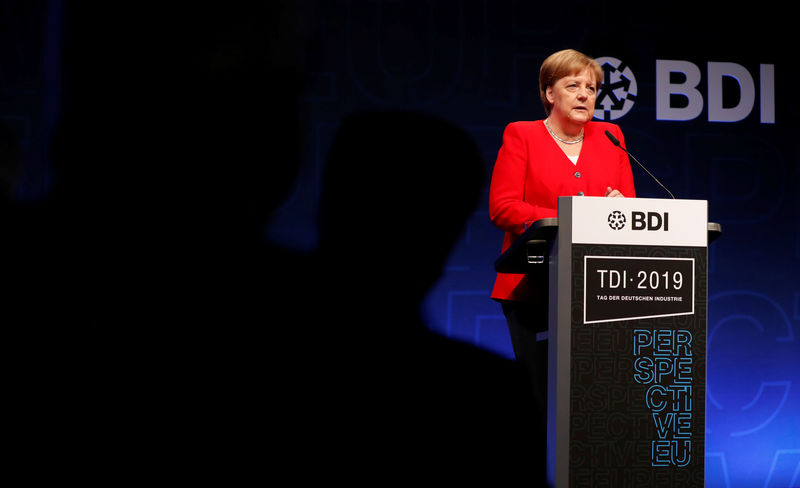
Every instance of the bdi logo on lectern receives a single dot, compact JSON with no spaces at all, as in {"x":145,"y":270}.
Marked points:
{"x":650,"y":221}
{"x":640,"y":220}
{"x":677,"y":96}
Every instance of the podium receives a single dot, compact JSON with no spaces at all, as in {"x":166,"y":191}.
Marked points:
{"x":627,"y":338}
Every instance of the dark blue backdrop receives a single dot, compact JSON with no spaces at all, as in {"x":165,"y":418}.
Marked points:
{"x":475,"y":64}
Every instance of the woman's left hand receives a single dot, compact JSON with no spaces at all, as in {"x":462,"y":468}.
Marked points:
{"x":614,"y":193}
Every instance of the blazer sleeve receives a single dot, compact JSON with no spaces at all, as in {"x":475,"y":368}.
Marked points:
{"x":508,"y":209}
{"x":624,"y":172}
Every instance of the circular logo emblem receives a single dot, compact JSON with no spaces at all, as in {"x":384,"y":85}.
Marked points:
{"x":616,"y":220}
{"x":618,"y":92}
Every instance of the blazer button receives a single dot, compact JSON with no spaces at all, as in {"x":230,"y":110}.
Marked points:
{"x":577,"y":174}
{"x":580,"y":193}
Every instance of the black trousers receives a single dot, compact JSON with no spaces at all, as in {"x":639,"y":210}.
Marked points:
{"x":525,"y":320}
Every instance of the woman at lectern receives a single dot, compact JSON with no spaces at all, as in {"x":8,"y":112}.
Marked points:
{"x":564,"y":154}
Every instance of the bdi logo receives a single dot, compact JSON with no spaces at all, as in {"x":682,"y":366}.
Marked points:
{"x":618,"y":91}
{"x":677,"y":95}
{"x":616,"y":220}
{"x":640,"y":220}
{"x":649,"y":221}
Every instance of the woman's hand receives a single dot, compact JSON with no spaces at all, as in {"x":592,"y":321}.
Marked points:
{"x":613,"y":193}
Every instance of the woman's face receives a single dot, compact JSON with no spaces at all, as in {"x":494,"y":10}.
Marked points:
{"x":573,"y":97}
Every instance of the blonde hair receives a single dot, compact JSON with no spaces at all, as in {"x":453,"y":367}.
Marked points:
{"x":565,"y":63}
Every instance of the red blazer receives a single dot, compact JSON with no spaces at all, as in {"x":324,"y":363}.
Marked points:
{"x":532,"y":171}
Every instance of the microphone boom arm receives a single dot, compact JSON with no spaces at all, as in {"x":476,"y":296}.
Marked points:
{"x":616,"y":142}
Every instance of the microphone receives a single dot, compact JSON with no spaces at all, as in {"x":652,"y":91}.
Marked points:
{"x":616,"y":142}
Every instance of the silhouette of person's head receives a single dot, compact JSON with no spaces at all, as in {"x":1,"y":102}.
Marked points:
{"x":397,"y":190}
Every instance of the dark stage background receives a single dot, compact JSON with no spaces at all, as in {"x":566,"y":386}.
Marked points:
{"x":113,"y":118}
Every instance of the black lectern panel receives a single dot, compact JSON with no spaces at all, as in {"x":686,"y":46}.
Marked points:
{"x":637,"y":382}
